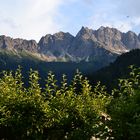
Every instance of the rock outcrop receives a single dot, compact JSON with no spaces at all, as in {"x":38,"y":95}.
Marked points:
{"x":104,"y":44}
{"x":56,"y":45}
{"x":8,"y":43}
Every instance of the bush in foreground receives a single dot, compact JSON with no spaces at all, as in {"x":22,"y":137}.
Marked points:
{"x":72,"y":112}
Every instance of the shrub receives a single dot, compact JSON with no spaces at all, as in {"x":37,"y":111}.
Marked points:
{"x":65,"y":112}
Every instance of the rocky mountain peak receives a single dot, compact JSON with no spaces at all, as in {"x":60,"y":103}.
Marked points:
{"x":130,"y":33}
{"x":131,"y":40}
{"x":56,"y":44}
{"x":56,"y":36}
{"x":87,"y":45}
{"x":6,"y":42}
{"x":61,"y":34}
{"x":18,"y":44}
{"x":26,"y":45}
{"x":110,"y":39}
{"x":108,"y":32}
{"x":83,"y":31}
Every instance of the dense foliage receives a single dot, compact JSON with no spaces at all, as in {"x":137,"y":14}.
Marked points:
{"x":74,"y":112}
{"x":124,"y":109}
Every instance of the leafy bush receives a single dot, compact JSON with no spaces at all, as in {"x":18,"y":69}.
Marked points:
{"x":66,"y":112}
{"x":124,"y":110}
{"x":73,"y":112}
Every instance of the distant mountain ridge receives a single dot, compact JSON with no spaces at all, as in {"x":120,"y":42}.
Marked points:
{"x":104,"y":44}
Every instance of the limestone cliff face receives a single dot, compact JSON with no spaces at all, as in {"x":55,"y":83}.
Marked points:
{"x":93,"y":43}
{"x":111,"y":39}
{"x":104,"y":44}
{"x":131,"y":40}
{"x":8,"y":43}
{"x":31,"y":45}
{"x":56,"y":45}
{"x":89,"y":45}
{"x":83,"y":44}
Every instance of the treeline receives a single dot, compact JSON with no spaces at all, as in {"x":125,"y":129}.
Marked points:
{"x":75,"y":111}
{"x":109,"y":75}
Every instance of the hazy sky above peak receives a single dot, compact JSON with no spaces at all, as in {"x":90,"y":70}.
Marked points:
{"x":31,"y":19}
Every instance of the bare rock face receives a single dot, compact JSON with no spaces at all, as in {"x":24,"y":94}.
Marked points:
{"x":56,"y":44}
{"x":31,"y":45}
{"x":91,"y":43}
{"x":8,"y":43}
{"x":86,"y":34}
{"x":116,"y":41}
{"x":131,"y":40}
{"x":82,"y":45}
{"x":86,"y":46}
{"x":111,"y":39}
{"x":104,"y":44}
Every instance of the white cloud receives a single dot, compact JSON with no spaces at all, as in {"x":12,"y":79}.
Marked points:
{"x":40,"y":18}
{"x":104,"y":20}
{"x":34,"y":19}
{"x":123,"y":15}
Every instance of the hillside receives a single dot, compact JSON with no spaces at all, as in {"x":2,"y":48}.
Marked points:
{"x":11,"y":61}
{"x":119,"y":69}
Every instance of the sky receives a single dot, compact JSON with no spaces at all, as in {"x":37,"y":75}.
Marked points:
{"x":32,"y":19}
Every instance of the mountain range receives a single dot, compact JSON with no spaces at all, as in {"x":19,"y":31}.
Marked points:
{"x":102,"y":46}
{"x":102,"y":55}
